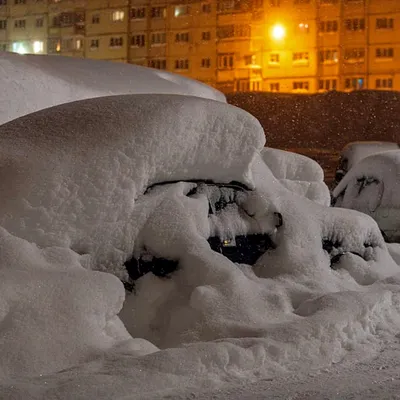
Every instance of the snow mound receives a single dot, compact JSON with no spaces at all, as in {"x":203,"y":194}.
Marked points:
{"x":298,"y":173}
{"x":292,"y":166}
{"x":54,"y":313}
{"x":75,"y":196}
{"x":373,"y":187}
{"x":32,"y":82}
{"x":70,"y":175}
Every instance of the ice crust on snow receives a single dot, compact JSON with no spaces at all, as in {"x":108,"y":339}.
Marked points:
{"x":32,"y":82}
{"x":73,"y":180}
{"x":55,"y":196}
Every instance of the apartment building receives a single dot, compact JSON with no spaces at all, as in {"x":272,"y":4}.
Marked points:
{"x":300,"y":46}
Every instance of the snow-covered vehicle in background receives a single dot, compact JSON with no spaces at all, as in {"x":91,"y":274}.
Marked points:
{"x":354,"y":152}
{"x":372,"y":186}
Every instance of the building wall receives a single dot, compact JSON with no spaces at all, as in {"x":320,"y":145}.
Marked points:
{"x":303,"y":46}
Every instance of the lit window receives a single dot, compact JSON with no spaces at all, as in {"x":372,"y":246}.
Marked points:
{"x":79,"y":44}
{"x":180,"y":11}
{"x":19,"y":47}
{"x":38,"y":47}
{"x":118,"y":16}
{"x":303,"y":28}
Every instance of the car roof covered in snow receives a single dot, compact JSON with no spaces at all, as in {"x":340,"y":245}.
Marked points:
{"x":354,"y":152}
{"x":31,"y":82}
{"x":383,"y":166}
{"x":93,"y":158}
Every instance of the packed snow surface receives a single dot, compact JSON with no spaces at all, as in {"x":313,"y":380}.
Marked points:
{"x":76,"y":203}
{"x":32,"y":82}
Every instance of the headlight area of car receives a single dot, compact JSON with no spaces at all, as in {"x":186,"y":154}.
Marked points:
{"x":235,"y":233}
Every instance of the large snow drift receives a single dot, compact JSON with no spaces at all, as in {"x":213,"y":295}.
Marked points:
{"x":31,"y":82}
{"x":73,"y":199}
{"x":70,"y":175}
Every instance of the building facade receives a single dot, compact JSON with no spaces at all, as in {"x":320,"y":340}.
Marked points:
{"x":300,"y":46}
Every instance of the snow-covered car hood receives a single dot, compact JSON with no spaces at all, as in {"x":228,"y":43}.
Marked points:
{"x":32,"y":82}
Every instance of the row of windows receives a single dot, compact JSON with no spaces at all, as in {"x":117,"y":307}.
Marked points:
{"x":332,"y":55}
{"x":331,"y":84}
{"x":160,"y":38}
{"x":355,"y":24}
{"x":180,"y":64}
{"x":21,"y":23}
{"x":223,"y":32}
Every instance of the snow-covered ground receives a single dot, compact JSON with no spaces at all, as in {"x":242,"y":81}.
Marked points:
{"x":75,"y":204}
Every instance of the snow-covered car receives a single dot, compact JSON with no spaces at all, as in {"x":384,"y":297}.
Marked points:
{"x":354,"y":152}
{"x":33,"y":82}
{"x":373,"y":187}
{"x":88,"y":187}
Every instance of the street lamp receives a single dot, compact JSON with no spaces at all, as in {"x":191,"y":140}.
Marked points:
{"x":278,"y":32}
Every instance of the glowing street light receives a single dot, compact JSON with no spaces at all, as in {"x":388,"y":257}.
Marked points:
{"x":278,"y":32}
